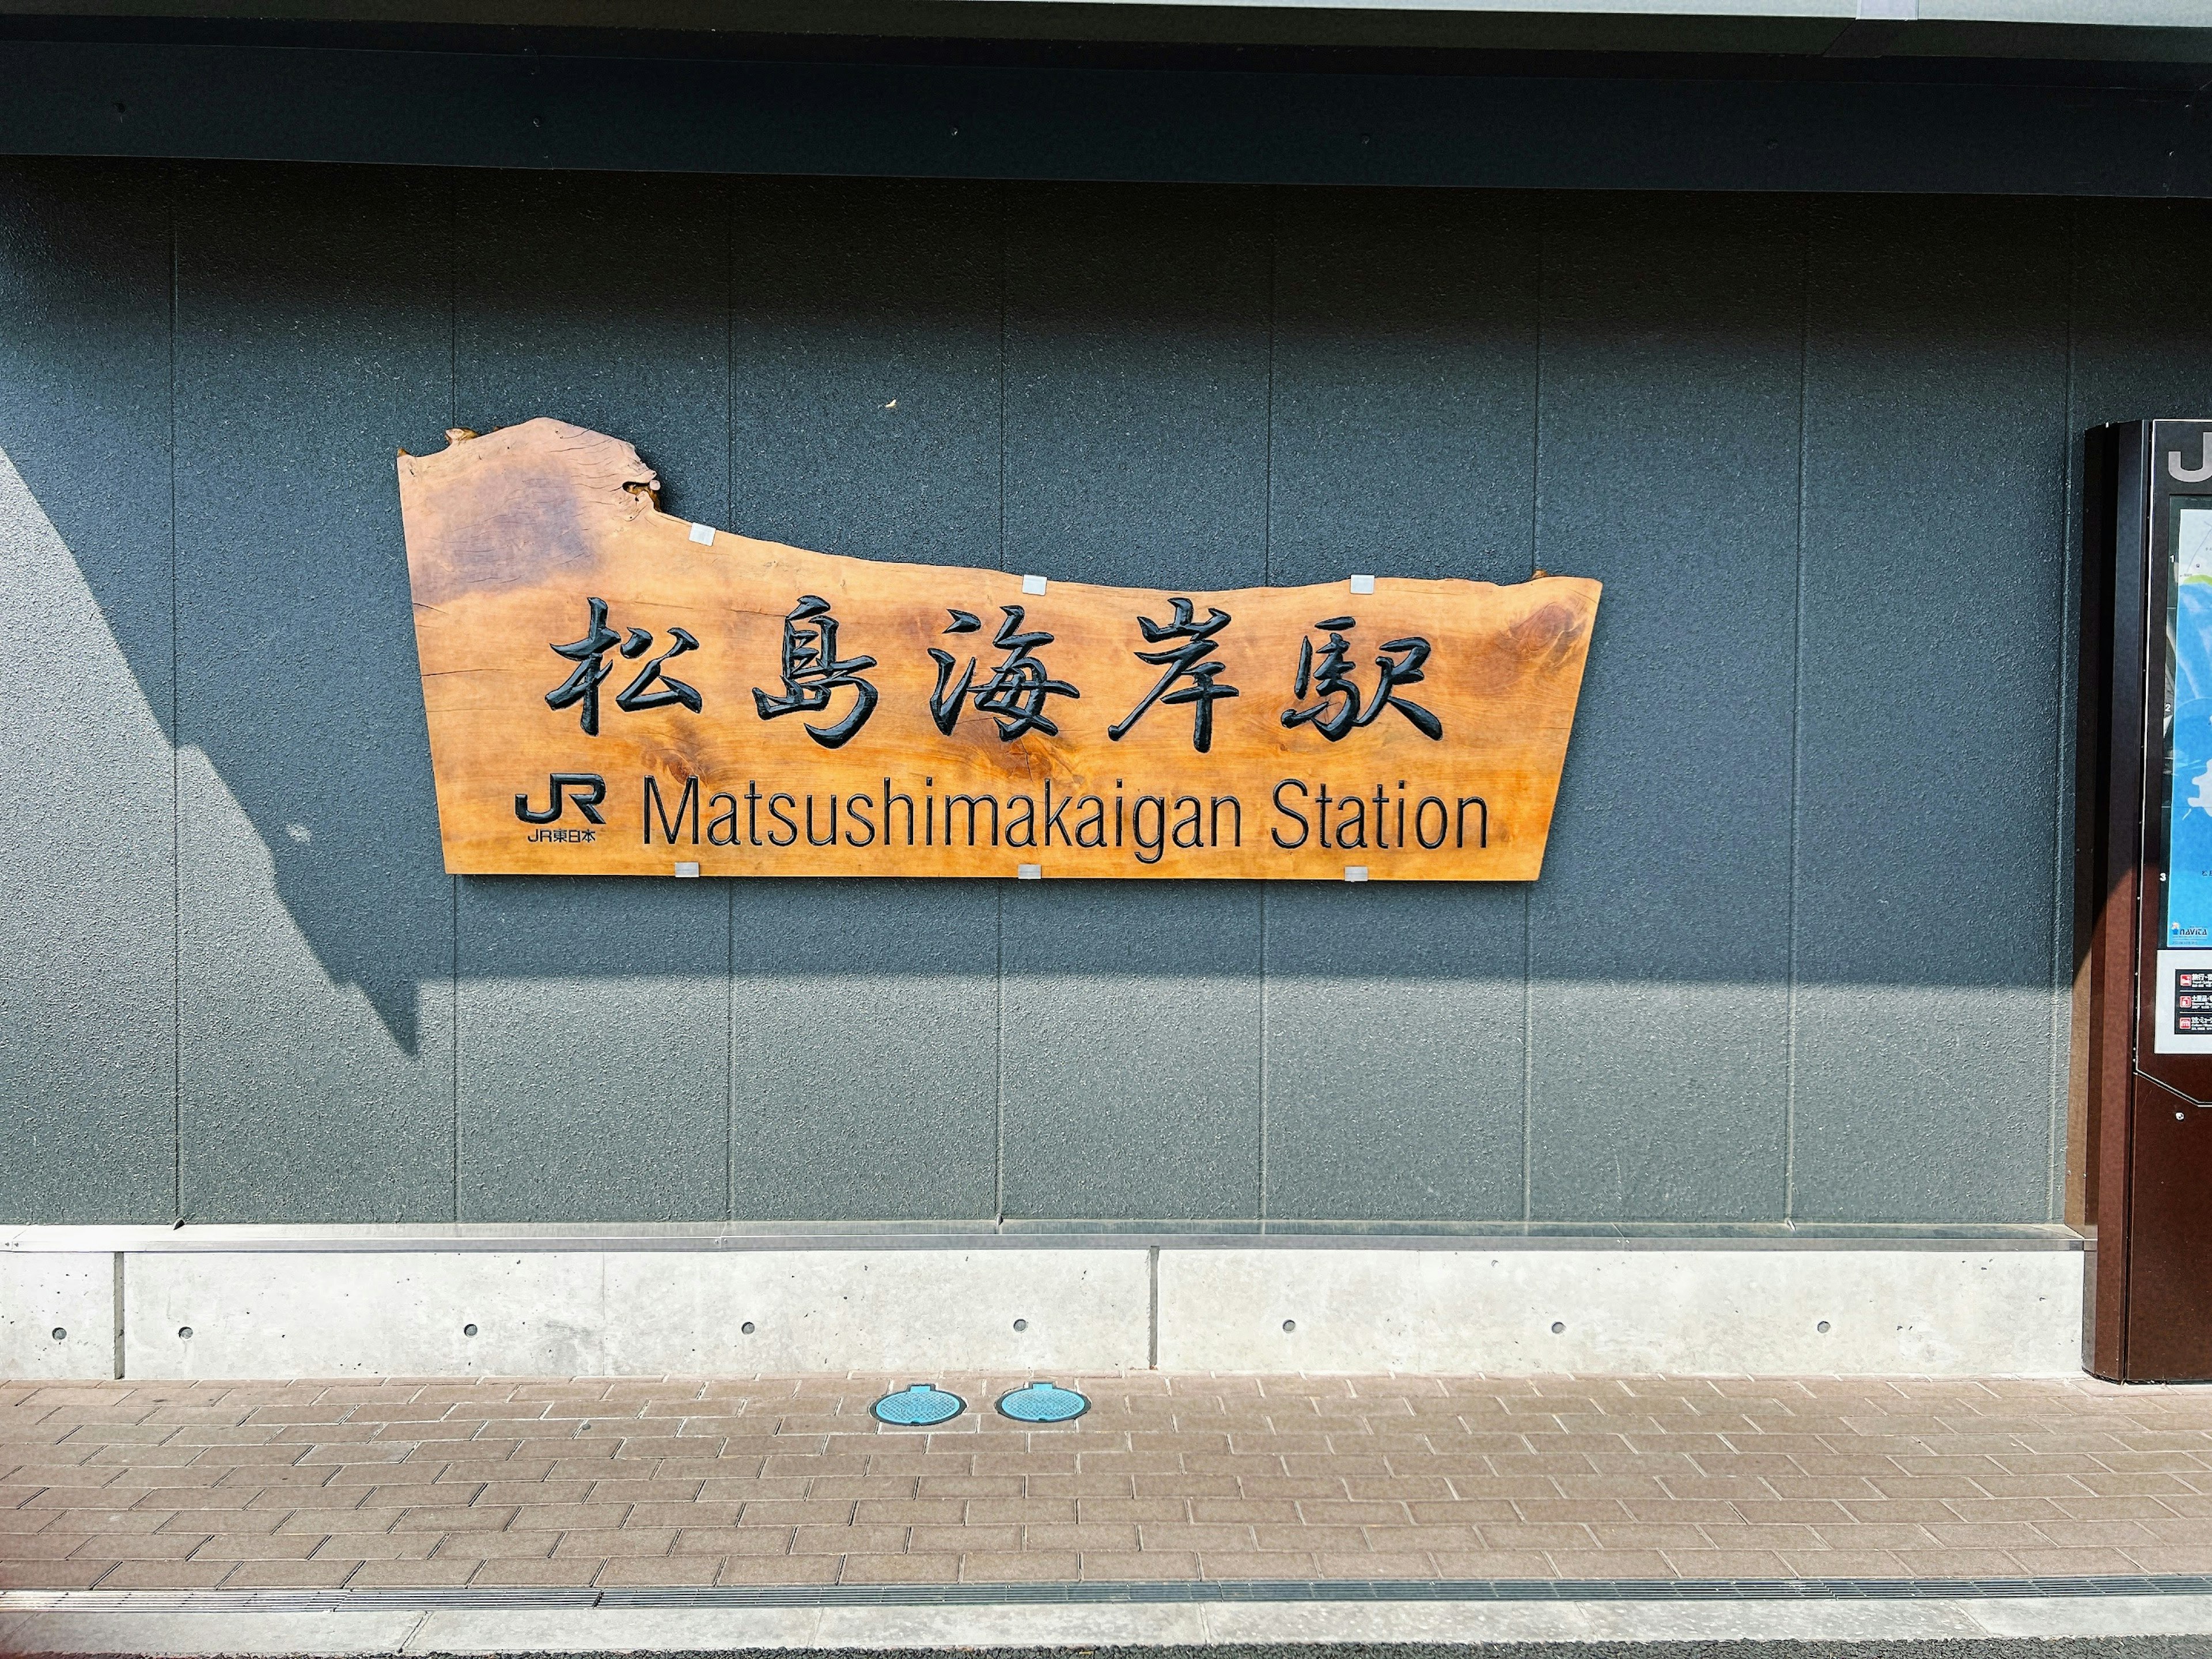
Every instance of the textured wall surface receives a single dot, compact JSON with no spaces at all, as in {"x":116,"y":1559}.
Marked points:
{"x":1802,"y":946}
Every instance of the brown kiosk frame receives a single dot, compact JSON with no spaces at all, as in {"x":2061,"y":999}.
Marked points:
{"x":2147,"y":1202}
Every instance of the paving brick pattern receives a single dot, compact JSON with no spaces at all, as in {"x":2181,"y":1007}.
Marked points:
{"x":415,"y":1481}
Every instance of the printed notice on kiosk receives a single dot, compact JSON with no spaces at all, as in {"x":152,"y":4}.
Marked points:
{"x":2182,"y":1020}
{"x":614,"y":691}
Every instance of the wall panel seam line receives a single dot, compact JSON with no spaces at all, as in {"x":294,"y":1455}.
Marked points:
{"x":1268,"y":452}
{"x":454,"y":882}
{"x":176,"y":762}
{"x":454,"y":1026}
{"x":1005,"y":254}
{"x":1527,"y":888}
{"x":730,"y":512}
{"x":1527,"y":1056}
{"x":1797,"y":723}
{"x":1267,"y":578}
{"x":998,"y":948}
{"x":2062,"y":976}
{"x":999,"y":1062}
{"x":1266,"y":938}
{"x":730,"y":1049}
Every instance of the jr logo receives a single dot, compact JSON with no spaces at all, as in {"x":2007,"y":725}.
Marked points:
{"x":2197,"y":474}
{"x":591,"y":789}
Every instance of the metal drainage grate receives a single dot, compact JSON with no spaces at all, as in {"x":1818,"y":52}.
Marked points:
{"x":918,"y":1406}
{"x":1042,"y":1402}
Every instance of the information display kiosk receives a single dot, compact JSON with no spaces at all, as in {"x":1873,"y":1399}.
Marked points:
{"x":2144,"y":896}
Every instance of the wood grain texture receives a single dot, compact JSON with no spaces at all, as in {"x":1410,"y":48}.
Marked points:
{"x":511,"y":536}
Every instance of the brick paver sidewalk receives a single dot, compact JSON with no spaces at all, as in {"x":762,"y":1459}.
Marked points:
{"x":419,"y":1482}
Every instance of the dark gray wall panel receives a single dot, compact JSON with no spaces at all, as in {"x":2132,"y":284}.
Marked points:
{"x":1137,"y":385}
{"x":316,"y":942}
{"x":1659,"y":933}
{"x":1132,"y":1043}
{"x":594,"y":1043}
{"x":865,"y":1020}
{"x":88,"y":1012}
{"x":864,"y":365}
{"x":1403,"y":419}
{"x":864,"y":385}
{"x":1934,"y":456}
{"x":1402,"y":443}
{"x":593,"y":1069}
{"x":1395,"y":1054}
{"x":2141,"y":334}
{"x":606,"y":307}
{"x":1136,"y":452}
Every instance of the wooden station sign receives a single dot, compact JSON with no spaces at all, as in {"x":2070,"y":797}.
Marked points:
{"x":614,"y":691}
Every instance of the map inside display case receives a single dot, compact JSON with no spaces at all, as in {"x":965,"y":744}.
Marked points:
{"x":2189,"y":705}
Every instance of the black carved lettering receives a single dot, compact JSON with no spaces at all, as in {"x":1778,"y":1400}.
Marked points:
{"x":812,"y":672}
{"x":1188,"y":821}
{"x":891,"y":800}
{"x":1336,"y":708}
{"x":1186,"y":661}
{"x":1015,"y":692}
{"x":1351,"y":821}
{"x":1150,"y":841}
{"x":587,"y":789}
{"x":971,"y":802}
{"x":726,"y":819}
{"x":655,"y":807}
{"x":858,"y":809}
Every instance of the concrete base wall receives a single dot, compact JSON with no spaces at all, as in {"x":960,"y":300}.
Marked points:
{"x":57,"y":1313}
{"x":282,"y":1304}
{"x":1796,"y":1312}
{"x":634,"y":1312}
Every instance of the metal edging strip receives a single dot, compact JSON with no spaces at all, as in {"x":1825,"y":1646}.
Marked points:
{"x":130,"y":1240}
{"x":1108,"y":1593}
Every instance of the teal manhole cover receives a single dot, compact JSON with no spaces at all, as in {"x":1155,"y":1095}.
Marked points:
{"x":918,"y":1407}
{"x":1042,"y":1402}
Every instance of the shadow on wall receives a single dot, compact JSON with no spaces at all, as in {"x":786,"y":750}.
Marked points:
{"x":308,"y":778}
{"x":284,"y":813}
{"x":308,"y":783}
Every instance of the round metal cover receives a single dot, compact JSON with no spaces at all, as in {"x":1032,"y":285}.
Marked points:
{"x":1042,"y":1402}
{"x":918,"y":1407}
